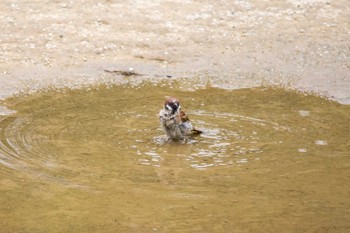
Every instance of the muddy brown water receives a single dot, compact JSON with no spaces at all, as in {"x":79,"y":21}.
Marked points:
{"x":95,"y":160}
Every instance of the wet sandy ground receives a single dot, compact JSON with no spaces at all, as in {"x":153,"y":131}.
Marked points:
{"x":299,"y":43}
{"x":270,"y":159}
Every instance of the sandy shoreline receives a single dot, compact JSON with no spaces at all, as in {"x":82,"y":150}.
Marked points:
{"x":234,"y":44}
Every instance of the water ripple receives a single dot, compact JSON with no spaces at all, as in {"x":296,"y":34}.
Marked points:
{"x":226,"y":138}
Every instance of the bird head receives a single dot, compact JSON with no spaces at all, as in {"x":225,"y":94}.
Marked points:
{"x":172,"y":105}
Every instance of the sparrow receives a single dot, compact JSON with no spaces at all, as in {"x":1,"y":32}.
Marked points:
{"x":175,"y":122}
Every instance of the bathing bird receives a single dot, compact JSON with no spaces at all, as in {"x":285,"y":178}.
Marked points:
{"x":175,"y":121}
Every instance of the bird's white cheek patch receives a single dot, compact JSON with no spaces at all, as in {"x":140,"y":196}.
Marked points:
{"x":168,"y":107}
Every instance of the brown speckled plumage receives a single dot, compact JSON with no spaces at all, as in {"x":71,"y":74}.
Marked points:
{"x":174,"y":121}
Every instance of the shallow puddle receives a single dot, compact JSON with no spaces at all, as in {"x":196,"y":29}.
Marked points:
{"x":95,"y":160}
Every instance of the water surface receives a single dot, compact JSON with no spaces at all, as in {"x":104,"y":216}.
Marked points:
{"x":95,"y":160}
